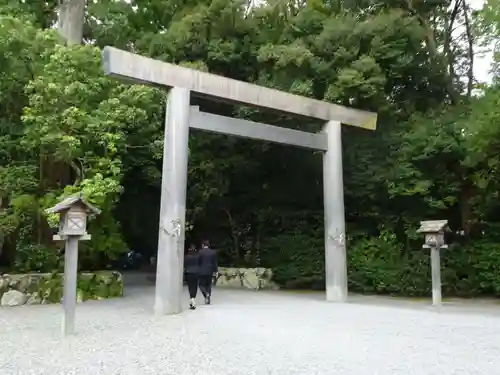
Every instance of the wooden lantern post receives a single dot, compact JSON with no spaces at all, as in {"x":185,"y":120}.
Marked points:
{"x":434,"y":239}
{"x":73,"y":212}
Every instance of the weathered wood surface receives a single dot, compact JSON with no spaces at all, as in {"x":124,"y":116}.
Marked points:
{"x":145,"y":70}
{"x":255,"y":130}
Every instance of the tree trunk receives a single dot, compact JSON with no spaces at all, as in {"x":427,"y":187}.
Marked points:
{"x":432,"y":48}
{"x":466,"y":208}
{"x":71,"y":19}
{"x":70,"y":23}
{"x":8,"y":250}
{"x":234,"y":236}
{"x":470,"y":50}
{"x":449,"y":27}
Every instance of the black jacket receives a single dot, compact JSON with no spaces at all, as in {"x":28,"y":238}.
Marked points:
{"x":208,"y":261}
{"x":192,"y":263}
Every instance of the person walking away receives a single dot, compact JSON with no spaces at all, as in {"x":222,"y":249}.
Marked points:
{"x":191,"y":270}
{"x":208,"y":269}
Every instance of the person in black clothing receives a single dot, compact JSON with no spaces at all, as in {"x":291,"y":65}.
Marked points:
{"x":208,"y":269}
{"x":191,"y":270}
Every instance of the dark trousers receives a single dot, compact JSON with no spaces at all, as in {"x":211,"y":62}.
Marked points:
{"x":205,"y":285}
{"x":192,"y":282}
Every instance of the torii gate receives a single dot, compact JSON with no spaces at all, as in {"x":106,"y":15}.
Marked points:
{"x":180,"y":116}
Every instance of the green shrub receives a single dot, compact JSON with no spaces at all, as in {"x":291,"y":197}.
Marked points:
{"x":479,"y":267}
{"x":297,"y":260}
{"x":375,"y":264}
{"x":50,"y":288}
{"x":36,"y":258}
{"x":90,"y":286}
{"x":384,"y":265}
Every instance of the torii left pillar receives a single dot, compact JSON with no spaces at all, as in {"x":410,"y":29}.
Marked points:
{"x":335,"y":238}
{"x":170,"y":261}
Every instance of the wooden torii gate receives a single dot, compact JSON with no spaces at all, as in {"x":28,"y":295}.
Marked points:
{"x":180,"y":116}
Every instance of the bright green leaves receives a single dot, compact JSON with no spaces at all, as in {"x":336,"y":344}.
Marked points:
{"x":448,"y":160}
{"x":17,"y":179}
{"x":21,"y":47}
{"x":64,"y":118}
{"x":97,"y":189}
{"x":63,"y":123}
{"x":281,"y":56}
{"x":90,"y":123}
{"x":289,"y":67}
{"x":77,"y":128}
{"x":363,"y":79}
{"x":428,"y":162}
{"x":40,"y":13}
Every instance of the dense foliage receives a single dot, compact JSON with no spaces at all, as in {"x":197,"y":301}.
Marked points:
{"x":64,"y":127}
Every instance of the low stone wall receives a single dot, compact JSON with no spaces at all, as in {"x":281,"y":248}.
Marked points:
{"x":42,"y":288}
{"x":248,"y":278}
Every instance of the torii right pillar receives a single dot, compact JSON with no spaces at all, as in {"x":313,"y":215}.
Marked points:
{"x":335,"y":238}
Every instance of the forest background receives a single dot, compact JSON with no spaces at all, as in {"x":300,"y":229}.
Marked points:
{"x":65,"y":127}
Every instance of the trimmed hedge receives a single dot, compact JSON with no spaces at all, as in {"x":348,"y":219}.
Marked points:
{"x":383,"y":265}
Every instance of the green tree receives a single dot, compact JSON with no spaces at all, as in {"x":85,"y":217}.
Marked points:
{"x":65,"y":127}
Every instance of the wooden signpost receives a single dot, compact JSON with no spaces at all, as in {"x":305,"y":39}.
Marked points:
{"x":434,"y":240}
{"x":73,"y":212}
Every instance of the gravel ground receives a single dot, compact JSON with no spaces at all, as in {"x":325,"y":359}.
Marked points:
{"x":246,"y":332}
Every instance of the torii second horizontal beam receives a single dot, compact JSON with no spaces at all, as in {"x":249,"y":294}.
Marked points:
{"x":255,"y":130}
{"x":142,"y":69}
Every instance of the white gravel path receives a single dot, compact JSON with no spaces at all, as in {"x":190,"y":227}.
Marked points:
{"x":249,"y":333}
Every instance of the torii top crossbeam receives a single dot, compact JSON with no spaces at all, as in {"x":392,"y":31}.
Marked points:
{"x":145,"y":70}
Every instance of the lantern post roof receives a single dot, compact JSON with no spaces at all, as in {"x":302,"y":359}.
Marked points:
{"x":71,"y":201}
{"x":433,"y":226}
